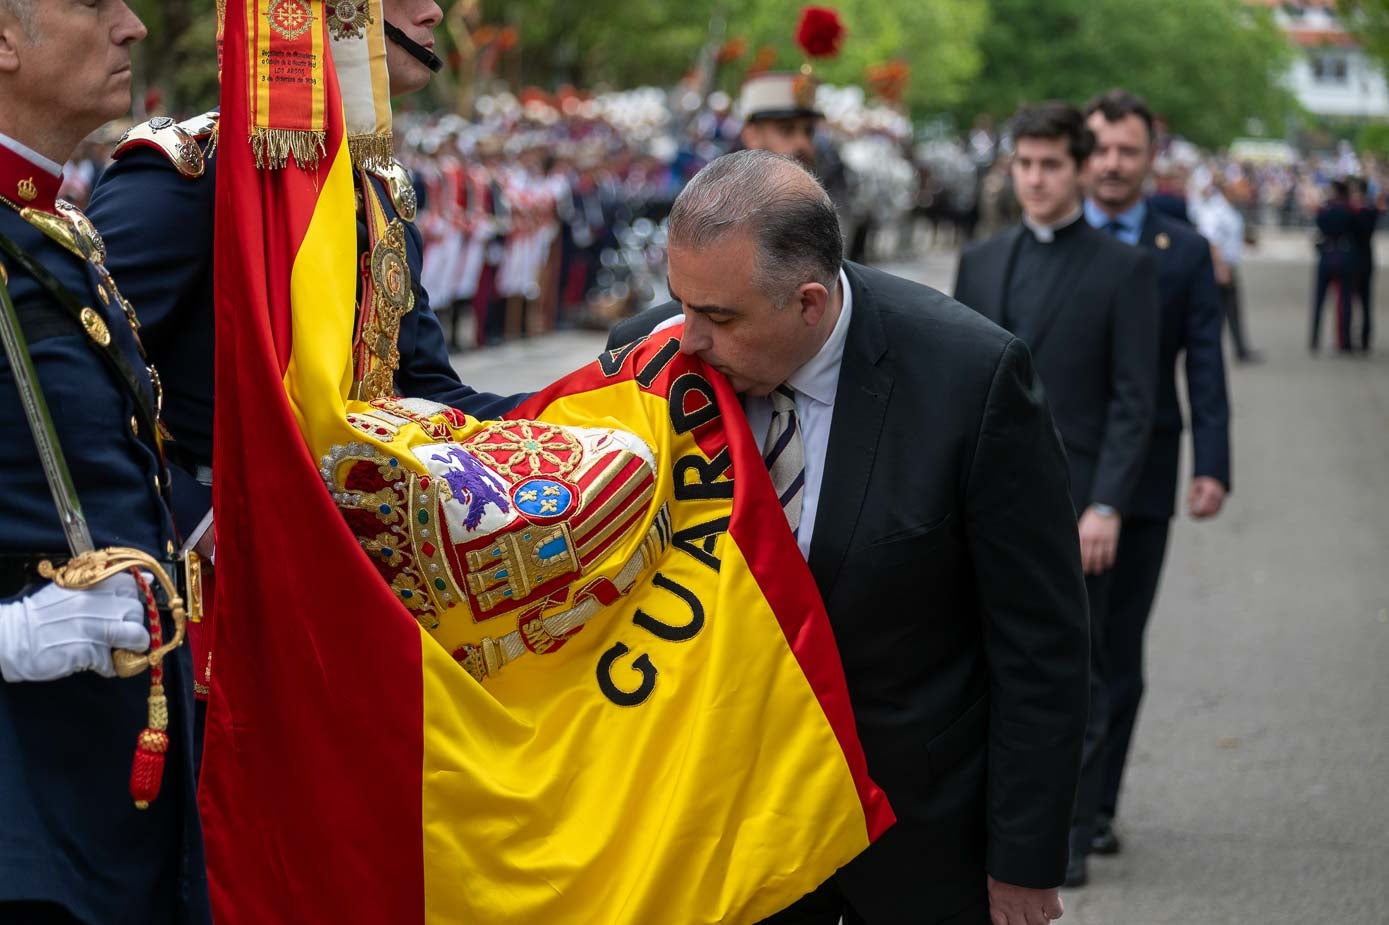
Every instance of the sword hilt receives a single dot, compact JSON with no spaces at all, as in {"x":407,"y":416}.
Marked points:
{"x":84,"y":571}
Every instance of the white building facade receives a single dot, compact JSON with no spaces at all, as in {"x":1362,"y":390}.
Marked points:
{"x":1331,"y":75}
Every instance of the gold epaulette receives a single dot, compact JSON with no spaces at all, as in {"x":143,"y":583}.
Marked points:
{"x":181,"y":142}
{"x":397,"y":180}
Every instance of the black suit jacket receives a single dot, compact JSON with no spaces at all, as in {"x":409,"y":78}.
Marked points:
{"x":1190,"y":320}
{"x":1095,"y":346}
{"x":945,"y":551}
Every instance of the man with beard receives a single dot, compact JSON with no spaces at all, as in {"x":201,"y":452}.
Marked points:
{"x":1190,"y":324}
{"x":75,"y":846}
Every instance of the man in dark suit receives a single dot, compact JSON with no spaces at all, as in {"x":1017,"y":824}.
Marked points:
{"x":930,"y":497}
{"x":1190,"y":325}
{"x":1086,"y":305}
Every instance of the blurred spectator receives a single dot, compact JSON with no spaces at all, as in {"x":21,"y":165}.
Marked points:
{"x":1223,"y":226}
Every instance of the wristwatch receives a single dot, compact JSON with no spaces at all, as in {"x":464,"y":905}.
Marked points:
{"x":1104,"y":510}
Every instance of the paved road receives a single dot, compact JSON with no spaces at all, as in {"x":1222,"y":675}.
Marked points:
{"x":1259,"y":787}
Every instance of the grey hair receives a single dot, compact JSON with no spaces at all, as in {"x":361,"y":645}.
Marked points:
{"x":23,"y":10}
{"x":790,"y":217}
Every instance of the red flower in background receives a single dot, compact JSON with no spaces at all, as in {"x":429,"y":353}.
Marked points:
{"x":820,"y":32}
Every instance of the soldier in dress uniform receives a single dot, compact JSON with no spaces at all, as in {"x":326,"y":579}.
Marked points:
{"x":780,"y":115}
{"x":155,"y":207}
{"x":1335,"y":265}
{"x":74,"y":845}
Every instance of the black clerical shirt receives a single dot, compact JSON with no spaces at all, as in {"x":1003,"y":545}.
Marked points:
{"x":1033,"y":271}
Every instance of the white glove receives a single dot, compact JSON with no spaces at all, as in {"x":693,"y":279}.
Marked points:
{"x":55,"y":632}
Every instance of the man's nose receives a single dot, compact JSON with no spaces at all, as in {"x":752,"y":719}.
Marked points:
{"x":129,"y":29}
{"x":694,"y":338}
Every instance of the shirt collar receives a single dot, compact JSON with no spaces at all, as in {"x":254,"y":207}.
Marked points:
{"x":818,"y":379}
{"x":1131,"y":219}
{"x":27,"y":178}
{"x":1045,"y":234}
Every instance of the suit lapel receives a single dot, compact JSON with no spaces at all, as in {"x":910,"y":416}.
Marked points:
{"x":1168,"y":281}
{"x":1148,"y":235}
{"x":1076,"y":260}
{"x":860,"y":405}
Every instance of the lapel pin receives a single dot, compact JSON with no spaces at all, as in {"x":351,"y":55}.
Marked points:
{"x":1162,"y":241}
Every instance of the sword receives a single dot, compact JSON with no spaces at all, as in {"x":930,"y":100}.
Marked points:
{"x":55,"y":468}
{"x":88,"y":566}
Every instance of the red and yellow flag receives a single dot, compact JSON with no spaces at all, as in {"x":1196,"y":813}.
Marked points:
{"x":568,"y":667}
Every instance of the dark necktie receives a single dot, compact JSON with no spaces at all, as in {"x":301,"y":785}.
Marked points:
{"x":784,"y":454}
{"x":1114,"y":228}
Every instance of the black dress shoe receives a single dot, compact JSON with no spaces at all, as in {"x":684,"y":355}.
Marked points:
{"x":1077,"y":873}
{"x":1104,"y":841}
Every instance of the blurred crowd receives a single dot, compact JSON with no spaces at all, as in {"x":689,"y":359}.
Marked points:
{"x":546,"y":211}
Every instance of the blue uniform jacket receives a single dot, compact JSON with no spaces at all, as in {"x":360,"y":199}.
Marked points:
{"x":1190,"y":326}
{"x":158,"y":225}
{"x":1336,"y":245}
{"x":70,"y":832}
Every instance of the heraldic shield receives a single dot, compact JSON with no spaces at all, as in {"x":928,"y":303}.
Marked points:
{"x":495,"y":550}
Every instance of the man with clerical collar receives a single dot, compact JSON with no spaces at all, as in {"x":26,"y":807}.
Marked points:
{"x":907,"y":438}
{"x":1086,"y":305}
{"x":1190,"y":323}
{"x":76,"y":844}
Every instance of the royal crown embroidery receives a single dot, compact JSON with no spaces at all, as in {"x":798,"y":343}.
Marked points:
{"x":497,"y":549}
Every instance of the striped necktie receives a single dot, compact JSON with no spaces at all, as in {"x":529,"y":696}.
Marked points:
{"x":784,"y":454}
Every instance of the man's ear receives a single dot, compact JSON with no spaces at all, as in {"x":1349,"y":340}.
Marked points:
{"x":814,"y":301}
{"x":11,"y":36}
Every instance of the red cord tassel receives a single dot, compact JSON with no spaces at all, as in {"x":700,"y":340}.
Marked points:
{"x":147,"y":771}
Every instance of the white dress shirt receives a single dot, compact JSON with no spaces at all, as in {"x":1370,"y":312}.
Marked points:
{"x":1220,"y":223}
{"x":815,"y":385}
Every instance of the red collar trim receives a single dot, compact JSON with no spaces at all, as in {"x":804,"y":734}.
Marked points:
{"x":26,"y":184}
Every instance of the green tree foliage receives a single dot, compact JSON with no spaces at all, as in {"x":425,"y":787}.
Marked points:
{"x":1369,"y":20}
{"x":937,"y":39}
{"x":626,"y":43}
{"x":1207,"y":66}
{"x":1373,"y":139}
{"x":179,"y":58}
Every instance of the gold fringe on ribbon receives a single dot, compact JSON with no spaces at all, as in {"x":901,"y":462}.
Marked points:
{"x":274,"y":147}
{"x":371,"y":152}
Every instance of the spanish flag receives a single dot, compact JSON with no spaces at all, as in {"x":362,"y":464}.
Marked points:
{"x":565,"y":667}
